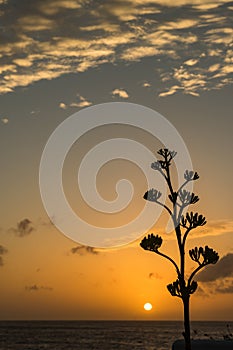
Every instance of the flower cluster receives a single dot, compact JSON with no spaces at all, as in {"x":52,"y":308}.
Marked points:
{"x":152,"y":242}
{"x":187,"y":197}
{"x":191,"y":175}
{"x":176,"y":289}
{"x":152,"y":195}
{"x":207,"y":255}
{"x":193,"y":220}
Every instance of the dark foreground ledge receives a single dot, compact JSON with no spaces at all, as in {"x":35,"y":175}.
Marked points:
{"x":205,"y":344}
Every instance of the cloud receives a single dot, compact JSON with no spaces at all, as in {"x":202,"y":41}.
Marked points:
{"x":54,"y":6}
{"x":3,"y":251}
{"x":42,"y":44}
{"x":214,"y":228}
{"x":83,"y":102}
{"x":106,"y":27}
{"x":35,"y":23}
{"x":23,"y":62}
{"x":191,"y":62}
{"x":162,"y":39}
{"x":81,"y":250}
{"x":202,"y":292}
{"x":36,"y":288}
{"x":62,"y":105}
{"x":214,"y":67}
{"x":7,"y":68}
{"x":207,"y":6}
{"x":121,"y":93}
{"x":180,"y":24}
{"x":221,"y":286}
{"x":171,"y":91}
{"x":136,"y":53}
{"x":190,"y":81}
{"x":146,"y":84}
{"x":154,"y":275}
{"x":23,"y":228}
{"x":223,"y":269}
{"x":225,"y":288}
{"x":5,"y":120}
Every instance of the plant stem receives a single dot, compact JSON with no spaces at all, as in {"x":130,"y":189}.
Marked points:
{"x":186,"y":323}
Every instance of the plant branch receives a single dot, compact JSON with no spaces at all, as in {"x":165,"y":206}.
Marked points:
{"x":186,"y":234}
{"x":194,"y":273}
{"x":170,"y":259}
{"x":180,"y":212}
{"x":166,"y":207}
{"x":182,"y":186}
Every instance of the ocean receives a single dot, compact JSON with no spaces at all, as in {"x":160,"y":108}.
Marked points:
{"x":102,"y":335}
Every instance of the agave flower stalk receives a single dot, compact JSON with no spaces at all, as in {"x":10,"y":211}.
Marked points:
{"x":182,"y":287}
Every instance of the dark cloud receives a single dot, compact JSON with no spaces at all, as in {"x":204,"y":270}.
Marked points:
{"x":23,"y":228}
{"x":3,"y":251}
{"x":223,"y":269}
{"x":81,"y":250}
{"x":202,"y":292}
{"x":36,"y":288}
{"x":221,"y":286}
{"x":154,"y":275}
{"x":225,"y":287}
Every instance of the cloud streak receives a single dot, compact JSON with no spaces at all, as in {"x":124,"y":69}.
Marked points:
{"x":37,"y":288}
{"x":154,"y":275}
{"x":120,"y":93}
{"x":23,"y":228}
{"x":82,"y":250}
{"x":3,"y":251}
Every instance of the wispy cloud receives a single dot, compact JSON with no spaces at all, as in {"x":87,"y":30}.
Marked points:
{"x":146,"y":84}
{"x":23,"y":228}
{"x":81,"y":103}
{"x":120,"y":93}
{"x":193,"y":51}
{"x":221,"y":286}
{"x":5,"y":120}
{"x":37,"y":288}
{"x":180,"y":24}
{"x":154,"y":275}
{"x":136,"y":53}
{"x":81,"y":250}
{"x":35,"y":23}
{"x":171,"y":91}
{"x":225,"y":287}
{"x":3,"y":251}
{"x":62,"y":105}
{"x":214,"y":228}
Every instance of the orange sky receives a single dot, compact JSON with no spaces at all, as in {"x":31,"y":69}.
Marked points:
{"x":174,"y":57}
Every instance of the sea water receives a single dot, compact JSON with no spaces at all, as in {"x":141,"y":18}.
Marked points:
{"x":102,"y":335}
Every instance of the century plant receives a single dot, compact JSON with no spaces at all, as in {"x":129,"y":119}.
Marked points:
{"x":182,"y":287}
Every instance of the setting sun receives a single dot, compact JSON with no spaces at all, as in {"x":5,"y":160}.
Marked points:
{"x":147,"y":306}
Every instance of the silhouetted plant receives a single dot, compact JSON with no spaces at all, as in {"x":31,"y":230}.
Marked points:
{"x":182,"y":287}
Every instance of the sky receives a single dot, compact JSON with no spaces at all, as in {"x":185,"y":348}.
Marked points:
{"x":59,"y":57}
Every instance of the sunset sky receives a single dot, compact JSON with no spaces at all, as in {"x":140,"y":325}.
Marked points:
{"x":58,"y":57}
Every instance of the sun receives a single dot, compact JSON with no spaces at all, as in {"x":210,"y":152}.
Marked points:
{"x":147,"y":306}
